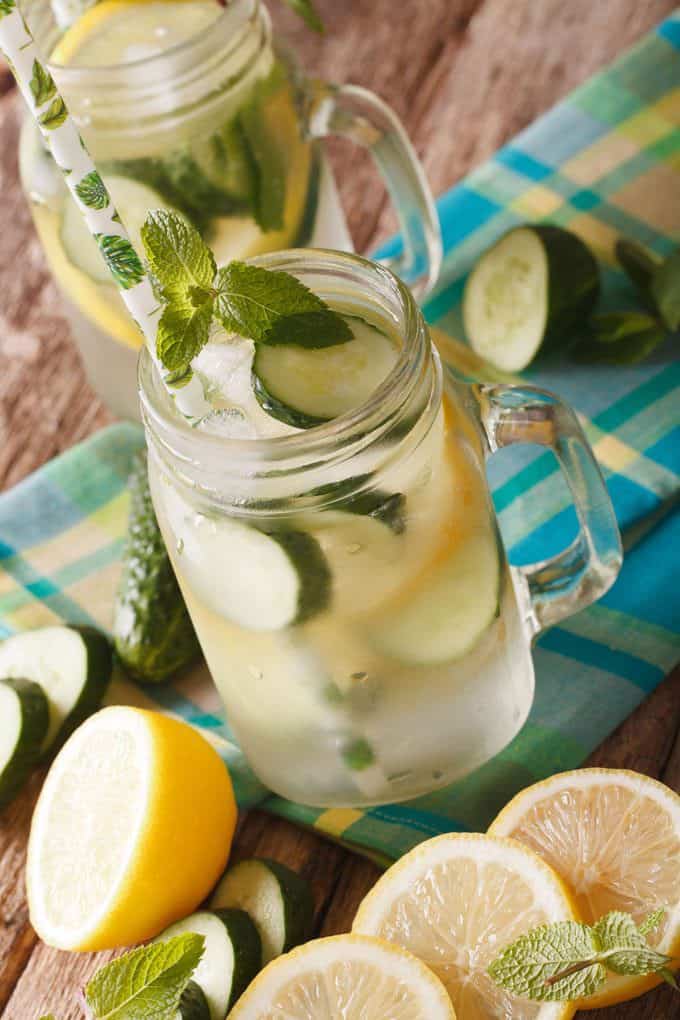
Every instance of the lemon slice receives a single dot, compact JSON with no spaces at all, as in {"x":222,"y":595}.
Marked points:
{"x":131,"y":831}
{"x":126,"y":31}
{"x":614,"y":837}
{"x":455,"y":902}
{"x":346,"y":976}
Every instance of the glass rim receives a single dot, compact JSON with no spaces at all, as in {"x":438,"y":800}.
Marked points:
{"x":330,"y":441}
{"x":225,"y":32}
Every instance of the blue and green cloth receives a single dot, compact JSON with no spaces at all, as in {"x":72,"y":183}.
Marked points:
{"x":604,"y":163}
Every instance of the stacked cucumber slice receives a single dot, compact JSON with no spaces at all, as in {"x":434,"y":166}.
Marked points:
{"x":259,"y":910}
{"x":51,"y":679}
{"x":306,"y":386}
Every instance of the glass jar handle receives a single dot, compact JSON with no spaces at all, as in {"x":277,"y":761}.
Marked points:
{"x":571,"y":580}
{"x":361,"y":116}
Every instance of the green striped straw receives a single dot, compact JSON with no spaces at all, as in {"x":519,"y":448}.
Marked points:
{"x":89,"y":191}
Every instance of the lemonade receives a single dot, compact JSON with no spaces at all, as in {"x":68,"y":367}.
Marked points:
{"x":346,"y":581}
{"x":185,"y":110}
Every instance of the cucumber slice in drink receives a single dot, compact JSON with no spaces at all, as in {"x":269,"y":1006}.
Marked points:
{"x":24,"y":717}
{"x":259,"y":580}
{"x":444,"y":613}
{"x":527,"y":291}
{"x":305,"y":386}
{"x":73,"y":666}
{"x":132,"y":200}
{"x":231,"y":958}
{"x":193,"y":1005}
{"x":279,"y":901}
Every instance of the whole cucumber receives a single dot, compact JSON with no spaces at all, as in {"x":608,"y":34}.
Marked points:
{"x":153,"y":634}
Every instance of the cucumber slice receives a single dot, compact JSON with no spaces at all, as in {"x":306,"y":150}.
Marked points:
{"x":259,"y":580}
{"x":279,"y":901}
{"x":153,"y":633}
{"x":453,"y":603}
{"x":193,"y":1005}
{"x":528,"y":290}
{"x":73,"y":666}
{"x":231,"y":959}
{"x":24,"y":718}
{"x":305,"y":386}
{"x":132,"y":200}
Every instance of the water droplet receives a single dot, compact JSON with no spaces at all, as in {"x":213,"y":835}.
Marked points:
{"x":256,"y":673}
{"x":180,"y":546}
{"x":354,"y":548}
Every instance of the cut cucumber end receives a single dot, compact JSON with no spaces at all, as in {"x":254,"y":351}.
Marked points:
{"x":278,"y":900}
{"x":193,"y":1005}
{"x":505,"y":303}
{"x":531,"y":288}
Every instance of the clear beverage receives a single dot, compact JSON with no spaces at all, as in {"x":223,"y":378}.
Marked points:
{"x":189,"y":106}
{"x":352,"y":598}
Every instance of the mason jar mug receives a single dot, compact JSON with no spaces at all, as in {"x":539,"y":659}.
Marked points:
{"x":220,"y":126}
{"x":406,"y":660}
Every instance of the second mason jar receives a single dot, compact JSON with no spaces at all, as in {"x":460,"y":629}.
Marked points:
{"x":191,"y":106}
{"x":404,"y":660}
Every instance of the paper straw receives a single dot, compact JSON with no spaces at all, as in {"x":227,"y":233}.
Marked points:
{"x":88,"y":190}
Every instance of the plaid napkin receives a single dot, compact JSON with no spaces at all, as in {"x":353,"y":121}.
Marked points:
{"x":605,"y":162}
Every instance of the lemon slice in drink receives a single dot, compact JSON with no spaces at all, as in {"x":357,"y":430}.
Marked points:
{"x":455,"y":902}
{"x":131,"y":831}
{"x":614,"y":837}
{"x":125,"y":31}
{"x":345,"y":976}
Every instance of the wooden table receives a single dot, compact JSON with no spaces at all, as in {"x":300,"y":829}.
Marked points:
{"x":465,"y":75}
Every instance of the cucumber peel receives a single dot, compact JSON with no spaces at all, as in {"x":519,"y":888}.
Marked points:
{"x":153,"y":634}
{"x":527,"y":293}
{"x":24,"y":717}
{"x":279,"y":901}
{"x":193,"y":1004}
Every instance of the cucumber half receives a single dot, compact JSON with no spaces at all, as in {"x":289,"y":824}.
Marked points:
{"x":24,"y":717}
{"x":73,"y":666}
{"x":451,"y":606}
{"x":231,"y":958}
{"x":305,"y":386}
{"x":527,"y":291}
{"x":278,"y":900}
{"x":132,"y":199}
{"x":259,"y":580}
{"x":193,"y":1005}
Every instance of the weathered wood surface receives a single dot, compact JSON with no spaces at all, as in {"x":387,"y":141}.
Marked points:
{"x":465,"y":75}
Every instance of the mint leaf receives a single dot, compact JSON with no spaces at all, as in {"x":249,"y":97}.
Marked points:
{"x":636,"y":961}
{"x":666,"y":290}
{"x":305,"y":9}
{"x":122,"y":260}
{"x":617,"y":930}
{"x":652,"y":921}
{"x":145,"y":983}
{"x":358,"y":755}
{"x":619,"y":338}
{"x":92,"y":192}
{"x":183,"y":330}
{"x":531,"y":966}
{"x":177,"y":254}
{"x":269,"y":306}
{"x":54,"y":116}
{"x":640,"y":265}
{"x":41,"y":84}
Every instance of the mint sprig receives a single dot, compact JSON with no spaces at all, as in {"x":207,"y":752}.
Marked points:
{"x":569,"y":960}
{"x":147,"y":983}
{"x":267,"y":306}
